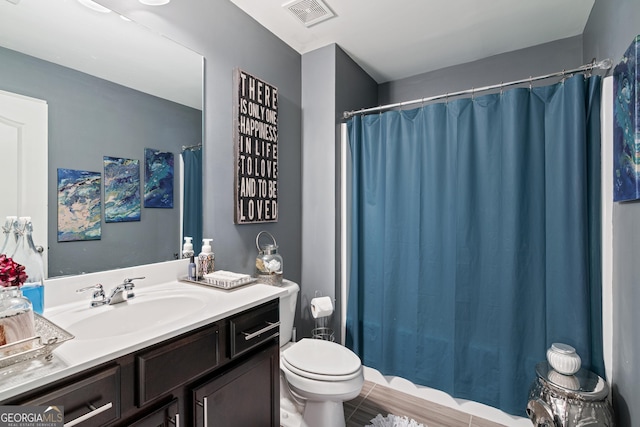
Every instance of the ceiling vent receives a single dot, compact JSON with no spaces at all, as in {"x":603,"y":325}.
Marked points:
{"x":309,"y":12}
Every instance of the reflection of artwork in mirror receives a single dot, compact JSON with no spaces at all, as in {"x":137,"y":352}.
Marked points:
{"x":78,"y":205}
{"x":121,"y":189}
{"x":626,"y":125}
{"x":158,"y":179}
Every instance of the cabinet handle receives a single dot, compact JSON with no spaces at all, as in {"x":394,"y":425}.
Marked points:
{"x":204,"y":405}
{"x":248,"y":336}
{"x":88,"y":415}
{"x":176,"y":420}
{"x":205,"y":402}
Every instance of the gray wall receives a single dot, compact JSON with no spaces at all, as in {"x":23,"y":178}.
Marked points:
{"x":520,"y":64}
{"x":318,"y":180}
{"x":229,"y":38}
{"x":610,"y":30}
{"x":331,"y":83}
{"x":90,"y":118}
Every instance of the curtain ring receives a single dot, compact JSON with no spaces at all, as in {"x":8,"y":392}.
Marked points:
{"x":446,"y":98}
{"x":473,"y":93}
{"x":530,"y":82}
{"x":501,"y":83}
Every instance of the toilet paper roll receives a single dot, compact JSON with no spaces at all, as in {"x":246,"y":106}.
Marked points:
{"x":321,"y":307}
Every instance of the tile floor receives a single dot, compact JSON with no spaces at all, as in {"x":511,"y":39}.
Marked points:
{"x":378,"y":399}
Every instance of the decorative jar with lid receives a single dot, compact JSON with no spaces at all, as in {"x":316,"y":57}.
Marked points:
{"x":268,"y":262}
{"x":563,"y":358}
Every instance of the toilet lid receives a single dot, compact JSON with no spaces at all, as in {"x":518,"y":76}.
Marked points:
{"x":322,"y":358}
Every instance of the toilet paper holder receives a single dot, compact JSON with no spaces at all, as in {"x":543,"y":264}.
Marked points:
{"x":322,"y":331}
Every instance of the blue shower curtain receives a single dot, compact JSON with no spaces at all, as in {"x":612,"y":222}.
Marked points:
{"x":476,"y":239}
{"x":192,"y":216}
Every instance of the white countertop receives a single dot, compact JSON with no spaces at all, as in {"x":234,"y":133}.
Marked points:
{"x":83,"y":352}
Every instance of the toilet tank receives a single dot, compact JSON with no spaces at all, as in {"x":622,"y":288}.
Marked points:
{"x":288,"y":310}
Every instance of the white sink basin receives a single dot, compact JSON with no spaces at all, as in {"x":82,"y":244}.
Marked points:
{"x":149,"y":309}
{"x":133,"y":316}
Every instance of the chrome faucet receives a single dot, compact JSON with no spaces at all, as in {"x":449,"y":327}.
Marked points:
{"x":98,"y":297}
{"x":120,"y":293}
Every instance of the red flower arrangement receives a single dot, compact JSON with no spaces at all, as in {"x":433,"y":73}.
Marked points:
{"x":11,"y":273}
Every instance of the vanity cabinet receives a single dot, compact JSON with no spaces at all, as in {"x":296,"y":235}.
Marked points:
{"x":244,"y":396}
{"x":230,"y":367}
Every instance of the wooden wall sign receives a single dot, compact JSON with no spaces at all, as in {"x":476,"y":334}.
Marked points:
{"x":256,"y":150}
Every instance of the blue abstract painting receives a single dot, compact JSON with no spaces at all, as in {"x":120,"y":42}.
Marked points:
{"x":158,"y":179}
{"x":78,"y":205}
{"x":626,"y":125}
{"x":121,"y":189}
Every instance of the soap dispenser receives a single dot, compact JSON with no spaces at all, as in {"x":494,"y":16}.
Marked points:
{"x":206,"y":259}
{"x":187,"y":248}
{"x":187,"y":252}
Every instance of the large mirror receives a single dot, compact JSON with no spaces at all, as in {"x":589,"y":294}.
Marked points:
{"x":112,"y":89}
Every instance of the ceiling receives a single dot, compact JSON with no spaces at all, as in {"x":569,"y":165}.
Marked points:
{"x":394,"y":39}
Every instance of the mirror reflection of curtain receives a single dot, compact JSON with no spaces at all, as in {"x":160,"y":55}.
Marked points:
{"x":192,"y":217}
{"x":476,"y":239}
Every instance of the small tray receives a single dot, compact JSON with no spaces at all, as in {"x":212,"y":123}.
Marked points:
{"x":232,"y":284}
{"x":48,"y":337}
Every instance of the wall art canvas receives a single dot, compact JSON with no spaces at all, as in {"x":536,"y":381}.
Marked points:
{"x":626,"y":125}
{"x":79,"y":206}
{"x":121,"y":189}
{"x":158,"y":179}
{"x":255,"y":140}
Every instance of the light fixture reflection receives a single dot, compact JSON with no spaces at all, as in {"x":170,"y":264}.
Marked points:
{"x":154,"y":2}
{"x":94,"y":6}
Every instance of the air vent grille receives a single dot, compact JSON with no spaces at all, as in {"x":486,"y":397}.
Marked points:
{"x":309,"y":12}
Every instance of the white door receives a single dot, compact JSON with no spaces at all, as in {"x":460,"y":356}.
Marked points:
{"x":23,"y":169}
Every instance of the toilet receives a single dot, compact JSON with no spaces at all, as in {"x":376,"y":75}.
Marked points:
{"x":316,"y":376}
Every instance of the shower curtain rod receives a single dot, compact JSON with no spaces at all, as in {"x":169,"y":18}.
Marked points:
{"x":605,"y":64}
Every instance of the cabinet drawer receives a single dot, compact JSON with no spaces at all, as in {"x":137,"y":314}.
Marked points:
{"x":90,"y":401}
{"x":162,"y":369}
{"x":253,"y":327}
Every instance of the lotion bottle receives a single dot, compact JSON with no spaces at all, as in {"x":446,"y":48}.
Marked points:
{"x":192,"y":275}
{"x":206,"y":259}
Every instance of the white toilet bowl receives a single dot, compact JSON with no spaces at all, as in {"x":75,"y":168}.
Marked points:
{"x":325,"y":375}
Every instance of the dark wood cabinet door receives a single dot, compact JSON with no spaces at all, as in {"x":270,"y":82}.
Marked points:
{"x":166,"y":416}
{"x":245,"y":395}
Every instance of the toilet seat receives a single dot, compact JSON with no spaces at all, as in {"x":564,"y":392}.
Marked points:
{"x":322,"y":360}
